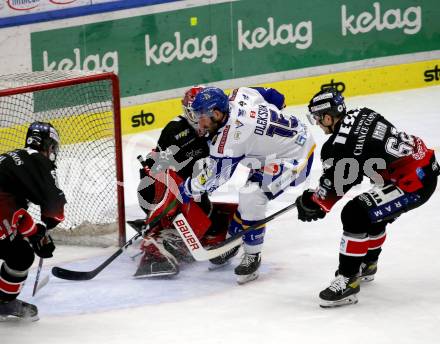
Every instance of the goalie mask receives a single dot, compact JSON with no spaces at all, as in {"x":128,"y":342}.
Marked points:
{"x":187,"y":101}
{"x":328,"y":101}
{"x":43,"y":137}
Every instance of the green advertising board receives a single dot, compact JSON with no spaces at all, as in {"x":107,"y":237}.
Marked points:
{"x":231,"y":40}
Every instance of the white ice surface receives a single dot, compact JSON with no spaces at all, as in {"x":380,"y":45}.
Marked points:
{"x":401,"y":306}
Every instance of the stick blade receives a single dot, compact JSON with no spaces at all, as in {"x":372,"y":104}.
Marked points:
{"x":72,"y":275}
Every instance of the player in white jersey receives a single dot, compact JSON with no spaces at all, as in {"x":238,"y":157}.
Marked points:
{"x":246,"y":129}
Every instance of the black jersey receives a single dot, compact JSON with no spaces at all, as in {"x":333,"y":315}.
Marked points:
{"x":364,"y":143}
{"x":187,"y":146}
{"x":28,"y":176}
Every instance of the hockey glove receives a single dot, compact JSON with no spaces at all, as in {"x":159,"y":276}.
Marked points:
{"x":307,"y":209}
{"x":42,"y":242}
{"x":185,"y":191}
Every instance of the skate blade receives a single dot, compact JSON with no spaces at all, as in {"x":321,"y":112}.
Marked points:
{"x":13,"y":318}
{"x":367,"y":278}
{"x":213,"y":267}
{"x":349,"y":300}
{"x":242,"y":279}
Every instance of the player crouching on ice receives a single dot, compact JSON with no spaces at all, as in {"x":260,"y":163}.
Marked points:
{"x":246,"y":129}
{"x":404,"y":171}
{"x":27,"y":175}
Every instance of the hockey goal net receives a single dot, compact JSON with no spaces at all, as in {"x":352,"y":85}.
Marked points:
{"x":85,"y":109}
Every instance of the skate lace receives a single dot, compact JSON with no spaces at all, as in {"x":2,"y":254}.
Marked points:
{"x":339,"y":283}
{"x":248,"y":259}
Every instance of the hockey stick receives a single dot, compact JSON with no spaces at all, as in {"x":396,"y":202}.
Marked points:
{"x":37,"y":278}
{"x":200,"y":253}
{"x":88,"y":275}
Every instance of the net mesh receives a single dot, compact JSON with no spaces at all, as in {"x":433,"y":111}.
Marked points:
{"x":83,"y":115}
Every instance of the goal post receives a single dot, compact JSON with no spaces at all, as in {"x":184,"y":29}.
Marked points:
{"x":85,"y":109}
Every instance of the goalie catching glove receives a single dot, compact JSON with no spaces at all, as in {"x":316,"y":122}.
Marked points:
{"x":42,"y":242}
{"x":308,"y":210}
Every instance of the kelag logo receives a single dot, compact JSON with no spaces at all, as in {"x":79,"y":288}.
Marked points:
{"x":339,"y":86}
{"x":142,"y":119}
{"x":432,"y":74}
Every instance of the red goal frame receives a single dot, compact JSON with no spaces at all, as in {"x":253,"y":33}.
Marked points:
{"x":117,"y":129}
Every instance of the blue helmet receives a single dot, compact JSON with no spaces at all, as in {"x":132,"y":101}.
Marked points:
{"x":208,"y":100}
{"x":327,"y":101}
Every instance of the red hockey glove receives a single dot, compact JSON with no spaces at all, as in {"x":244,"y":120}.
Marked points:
{"x":307,"y":209}
{"x":42,"y":242}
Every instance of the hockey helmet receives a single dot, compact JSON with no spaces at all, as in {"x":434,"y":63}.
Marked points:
{"x":187,"y":101}
{"x":42,"y":136}
{"x":327,"y":101}
{"x":208,"y":100}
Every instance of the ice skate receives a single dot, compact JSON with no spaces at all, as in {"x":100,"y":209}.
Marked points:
{"x":342,"y":291}
{"x":223,"y":260}
{"x":248,"y":269}
{"x":17,"y":309}
{"x":176,"y":247}
{"x":368,"y":270}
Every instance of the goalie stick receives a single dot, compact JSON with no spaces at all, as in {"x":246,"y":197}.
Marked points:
{"x":200,"y":253}
{"x":88,"y":275}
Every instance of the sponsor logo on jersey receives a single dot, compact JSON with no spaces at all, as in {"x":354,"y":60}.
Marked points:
{"x":142,"y":119}
{"x":241,"y":113}
{"x":252,"y":114}
{"x":222,"y":143}
{"x":16,"y":158}
{"x":242,"y":103}
{"x":410,"y":20}
{"x":182,"y":134}
{"x":233,"y":94}
{"x":238,"y":124}
{"x":237,"y":135}
{"x":380,"y":131}
{"x":432,"y":74}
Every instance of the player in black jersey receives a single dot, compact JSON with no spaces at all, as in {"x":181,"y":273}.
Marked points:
{"x":27,"y":175}
{"x":403,"y":169}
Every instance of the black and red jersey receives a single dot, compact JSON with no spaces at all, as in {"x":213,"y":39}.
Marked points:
{"x":28,"y":176}
{"x":364,"y":143}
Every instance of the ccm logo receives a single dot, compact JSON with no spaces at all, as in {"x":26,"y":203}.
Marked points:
{"x":187,"y":235}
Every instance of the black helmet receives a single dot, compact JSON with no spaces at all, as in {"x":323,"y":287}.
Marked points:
{"x":327,"y":101}
{"x":42,"y":136}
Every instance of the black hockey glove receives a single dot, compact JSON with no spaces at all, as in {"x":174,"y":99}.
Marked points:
{"x":42,"y":243}
{"x":307,"y":209}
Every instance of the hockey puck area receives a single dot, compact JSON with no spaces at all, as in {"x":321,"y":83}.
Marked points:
{"x":116,"y":288}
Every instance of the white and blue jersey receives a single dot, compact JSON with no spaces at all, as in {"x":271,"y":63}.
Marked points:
{"x":256,"y":134}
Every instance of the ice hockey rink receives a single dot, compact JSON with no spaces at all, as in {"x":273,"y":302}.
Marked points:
{"x":402,"y":305}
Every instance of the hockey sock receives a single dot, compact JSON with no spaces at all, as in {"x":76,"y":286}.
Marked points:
{"x":11,"y":282}
{"x":374,"y":247}
{"x":353,"y":249}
